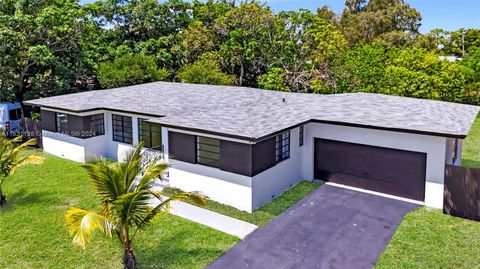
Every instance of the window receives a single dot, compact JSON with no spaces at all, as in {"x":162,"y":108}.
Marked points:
{"x":208,"y":151}
{"x":122,"y":129}
{"x":61,"y":122}
{"x":97,"y":125}
{"x":15,"y":114}
{"x":301,"y":134}
{"x":282,"y":146}
{"x":150,"y":134}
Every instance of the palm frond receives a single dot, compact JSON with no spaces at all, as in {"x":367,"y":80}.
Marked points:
{"x":164,"y":205}
{"x":106,"y":179}
{"x":81,"y":224}
{"x":30,"y":143}
{"x":153,"y":171}
{"x":195,"y":197}
{"x":132,"y":168}
{"x":131,"y":208}
{"x":31,"y":159}
{"x":17,"y":139}
{"x":9,"y":156}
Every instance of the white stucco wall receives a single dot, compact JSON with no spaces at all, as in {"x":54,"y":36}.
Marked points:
{"x":276,"y":180}
{"x":432,"y":145}
{"x":64,"y":146}
{"x":95,"y":147}
{"x":224,"y":187}
{"x":82,"y":150}
{"x":118,"y":150}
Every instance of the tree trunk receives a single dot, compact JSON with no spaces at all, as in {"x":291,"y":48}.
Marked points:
{"x":129,"y":260}
{"x":242,"y":72}
{"x":3,"y":198}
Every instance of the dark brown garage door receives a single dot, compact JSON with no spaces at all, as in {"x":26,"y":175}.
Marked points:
{"x":391,"y":171}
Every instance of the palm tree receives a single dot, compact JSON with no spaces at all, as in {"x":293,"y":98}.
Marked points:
{"x":12,"y":157}
{"x":126,"y":194}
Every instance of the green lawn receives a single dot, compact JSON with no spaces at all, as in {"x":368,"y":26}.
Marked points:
{"x":471,"y":147}
{"x":33,"y":233}
{"x":430,"y":239}
{"x":265,"y":213}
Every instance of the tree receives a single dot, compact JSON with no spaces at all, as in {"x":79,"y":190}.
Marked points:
{"x":459,"y":42}
{"x":245,"y":36}
{"x":305,"y":47}
{"x":326,"y":14}
{"x":389,"y":22}
{"x":364,"y":66}
{"x":41,"y":47}
{"x":130,"y":70}
{"x":435,"y":40}
{"x":205,"y":71}
{"x":412,"y":72}
{"x":472,"y":89}
{"x":140,"y":20}
{"x":196,"y":40}
{"x":209,"y":11}
{"x":421,"y":73}
{"x":12,"y":157}
{"x":126,"y":193}
{"x":276,"y":79}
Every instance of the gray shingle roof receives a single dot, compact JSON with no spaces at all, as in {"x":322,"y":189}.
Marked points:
{"x":253,"y":113}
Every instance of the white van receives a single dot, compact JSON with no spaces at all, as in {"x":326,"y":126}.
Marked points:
{"x":11,"y":117}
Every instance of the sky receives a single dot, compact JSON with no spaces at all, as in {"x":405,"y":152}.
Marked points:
{"x":446,"y":14}
{"x":449,"y":15}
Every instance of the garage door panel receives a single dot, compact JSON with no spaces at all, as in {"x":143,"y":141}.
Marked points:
{"x":392,"y":171}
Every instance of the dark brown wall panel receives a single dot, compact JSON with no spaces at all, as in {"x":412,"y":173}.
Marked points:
{"x":263,"y":156}
{"x":75,"y":126}
{"x":239,"y":158}
{"x":236,"y":158}
{"x":48,"y":120}
{"x":181,"y":147}
{"x":462,"y":192}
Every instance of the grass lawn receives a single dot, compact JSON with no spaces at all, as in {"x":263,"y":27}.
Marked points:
{"x":471,"y":147}
{"x":33,"y":232}
{"x":265,"y":213}
{"x":430,"y":239}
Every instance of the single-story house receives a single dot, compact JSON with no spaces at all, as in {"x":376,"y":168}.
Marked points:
{"x":243,"y":146}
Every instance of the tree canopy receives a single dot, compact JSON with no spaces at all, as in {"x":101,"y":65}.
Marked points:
{"x":130,"y":70}
{"x":52,"y":47}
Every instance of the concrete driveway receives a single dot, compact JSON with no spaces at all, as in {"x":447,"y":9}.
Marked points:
{"x":330,"y":228}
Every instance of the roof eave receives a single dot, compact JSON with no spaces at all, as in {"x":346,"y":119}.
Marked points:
{"x":94,"y":109}
{"x":263,"y":137}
